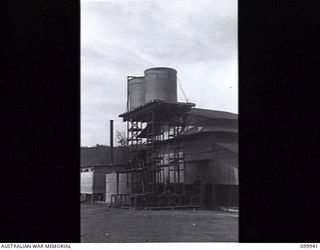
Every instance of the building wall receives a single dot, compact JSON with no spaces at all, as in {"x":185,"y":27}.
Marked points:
{"x":100,"y":155}
{"x":226,"y":171}
{"x":226,"y":195}
{"x":203,"y":169}
{"x":217,"y":166}
{"x":199,"y":157}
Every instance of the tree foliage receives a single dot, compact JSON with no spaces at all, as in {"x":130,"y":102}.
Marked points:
{"x":121,"y":138}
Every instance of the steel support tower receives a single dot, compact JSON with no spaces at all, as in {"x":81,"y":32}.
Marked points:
{"x":156,"y":156}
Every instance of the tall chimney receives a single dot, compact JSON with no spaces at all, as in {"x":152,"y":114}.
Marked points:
{"x":111,"y":141}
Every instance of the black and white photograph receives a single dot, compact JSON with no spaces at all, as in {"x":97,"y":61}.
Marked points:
{"x":181,"y":123}
{"x":159,"y":121}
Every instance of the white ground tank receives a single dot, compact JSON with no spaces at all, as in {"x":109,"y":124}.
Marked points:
{"x":111,"y":184}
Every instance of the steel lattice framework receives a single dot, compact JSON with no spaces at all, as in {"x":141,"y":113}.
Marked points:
{"x":156,"y":165}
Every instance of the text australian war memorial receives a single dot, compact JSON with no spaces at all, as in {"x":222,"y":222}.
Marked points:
{"x":175,"y":155}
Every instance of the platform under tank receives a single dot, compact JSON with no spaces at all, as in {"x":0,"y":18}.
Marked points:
{"x":160,"y":84}
{"x":136,"y":85}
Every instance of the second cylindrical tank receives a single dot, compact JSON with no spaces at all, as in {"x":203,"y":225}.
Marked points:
{"x":111,"y":184}
{"x":136,"y":91}
{"x":160,"y":84}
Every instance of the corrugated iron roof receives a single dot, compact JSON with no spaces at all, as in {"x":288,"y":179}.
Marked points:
{"x":202,"y":129}
{"x":213,"y":114}
{"x":231,"y":146}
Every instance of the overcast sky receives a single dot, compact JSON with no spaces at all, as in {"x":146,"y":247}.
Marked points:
{"x":118,"y":38}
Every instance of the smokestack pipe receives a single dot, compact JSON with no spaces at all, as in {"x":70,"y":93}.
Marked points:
{"x":111,"y":141}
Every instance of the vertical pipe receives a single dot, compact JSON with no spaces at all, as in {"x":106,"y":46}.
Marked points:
{"x":128,"y":78}
{"x":111,"y":141}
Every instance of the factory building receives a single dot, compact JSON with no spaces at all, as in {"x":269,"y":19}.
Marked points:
{"x":177,"y":155}
{"x":211,"y":152}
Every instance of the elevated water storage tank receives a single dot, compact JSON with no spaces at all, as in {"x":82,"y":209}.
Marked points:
{"x":136,"y":91}
{"x":160,"y":84}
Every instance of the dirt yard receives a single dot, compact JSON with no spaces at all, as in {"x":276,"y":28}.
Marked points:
{"x":99,"y":223}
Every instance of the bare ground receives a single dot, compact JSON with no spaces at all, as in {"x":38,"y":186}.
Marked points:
{"x":99,"y":223}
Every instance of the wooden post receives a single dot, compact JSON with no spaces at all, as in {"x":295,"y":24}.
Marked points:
{"x":117,"y":183}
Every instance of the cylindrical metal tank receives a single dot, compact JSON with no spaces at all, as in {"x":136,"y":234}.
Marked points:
{"x":124,"y":182}
{"x":136,"y":91}
{"x":111,"y":184}
{"x":92,"y":183}
{"x":87,"y":182}
{"x":160,"y":84}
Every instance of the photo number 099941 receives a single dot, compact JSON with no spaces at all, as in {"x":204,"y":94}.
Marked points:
{"x":308,"y":245}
